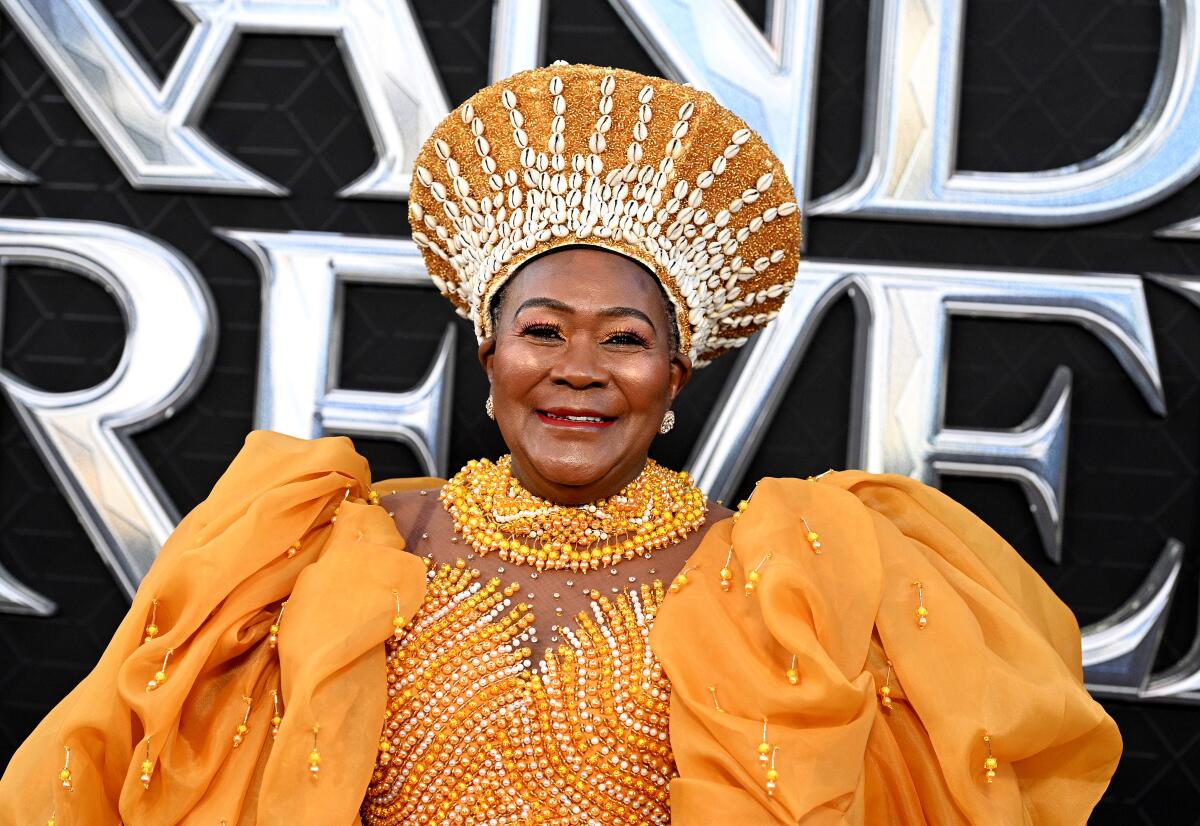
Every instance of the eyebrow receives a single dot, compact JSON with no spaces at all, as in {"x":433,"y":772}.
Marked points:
{"x":607,"y":312}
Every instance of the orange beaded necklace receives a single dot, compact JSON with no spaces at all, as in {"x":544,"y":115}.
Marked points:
{"x":494,"y":513}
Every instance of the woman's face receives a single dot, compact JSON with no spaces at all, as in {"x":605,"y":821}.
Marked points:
{"x":582,"y":372}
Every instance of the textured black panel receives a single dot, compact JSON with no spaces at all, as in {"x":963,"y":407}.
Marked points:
{"x":1045,"y":84}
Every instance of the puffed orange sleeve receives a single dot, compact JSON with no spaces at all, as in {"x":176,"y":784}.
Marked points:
{"x":291,"y":522}
{"x":794,"y":654}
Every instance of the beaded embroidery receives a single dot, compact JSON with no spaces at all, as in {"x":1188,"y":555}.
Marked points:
{"x":475,"y":734}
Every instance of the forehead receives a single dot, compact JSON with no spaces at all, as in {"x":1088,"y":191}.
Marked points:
{"x":585,"y":279}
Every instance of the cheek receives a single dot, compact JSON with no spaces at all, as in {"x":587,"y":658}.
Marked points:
{"x":515,"y":371}
{"x":646,"y":386}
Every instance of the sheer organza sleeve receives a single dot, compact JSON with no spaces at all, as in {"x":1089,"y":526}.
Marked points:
{"x":798,"y":660}
{"x":177,"y":726}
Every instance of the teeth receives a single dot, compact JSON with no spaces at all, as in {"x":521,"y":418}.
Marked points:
{"x":595,"y":419}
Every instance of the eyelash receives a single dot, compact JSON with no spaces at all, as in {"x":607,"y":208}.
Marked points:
{"x":539,"y":328}
{"x":638,"y":338}
{"x":535,"y":326}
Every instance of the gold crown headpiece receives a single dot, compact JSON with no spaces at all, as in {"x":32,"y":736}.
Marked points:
{"x":654,"y":170}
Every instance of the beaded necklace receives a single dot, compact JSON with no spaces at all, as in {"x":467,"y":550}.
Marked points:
{"x":494,"y":513}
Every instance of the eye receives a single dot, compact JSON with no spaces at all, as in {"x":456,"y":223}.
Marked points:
{"x":627,"y":338}
{"x":541,"y":330}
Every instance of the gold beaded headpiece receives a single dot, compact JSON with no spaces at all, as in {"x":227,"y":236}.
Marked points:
{"x":582,"y":155}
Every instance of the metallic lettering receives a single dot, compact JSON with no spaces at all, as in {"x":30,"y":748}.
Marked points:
{"x":83,"y":435}
{"x":910,"y":135}
{"x":152,"y":130}
{"x":303,"y":273}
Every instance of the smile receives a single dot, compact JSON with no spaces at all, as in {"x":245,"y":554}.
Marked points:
{"x":575,"y":418}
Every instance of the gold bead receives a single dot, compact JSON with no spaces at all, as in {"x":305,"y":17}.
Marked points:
{"x":793,"y":676}
{"x":990,"y":763}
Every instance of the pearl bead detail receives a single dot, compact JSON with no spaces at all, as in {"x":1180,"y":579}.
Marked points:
{"x":477,"y":733}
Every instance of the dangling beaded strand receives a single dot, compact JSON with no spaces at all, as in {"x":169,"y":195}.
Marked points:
{"x":147,"y":767}
{"x":726,"y":571}
{"x":922,"y":611}
{"x":243,"y":727}
{"x":64,"y":776}
{"x":273,"y":632}
{"x":277,"y":717}
{"x":885,"y":691}
{"x":160,"y":676}
{"x":989,"y":764}
{"x":152,"y":628}
{"x":314,"y":757}
{"x":764,"y":748}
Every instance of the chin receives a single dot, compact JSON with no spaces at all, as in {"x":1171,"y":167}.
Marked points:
{"x":568,"y":467}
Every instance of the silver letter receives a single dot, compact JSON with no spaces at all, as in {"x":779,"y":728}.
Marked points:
{"x":83,"y":436}
{"x":760,"y":378}
{"x":902,"y":401}
{"x":1119,"y":650}
{"x":770,"y":82}
{"x":518,"y":37}
{"x":899,"y":368}
{"x":302,"y":275}
{"x":152,"y":131}
{"x":910,"y":133}
{"x":1182,"y":680}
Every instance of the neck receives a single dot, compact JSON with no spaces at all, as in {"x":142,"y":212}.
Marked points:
{"x":608,"y":485}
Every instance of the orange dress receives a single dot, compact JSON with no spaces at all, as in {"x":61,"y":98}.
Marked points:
{"x":294,"y":520}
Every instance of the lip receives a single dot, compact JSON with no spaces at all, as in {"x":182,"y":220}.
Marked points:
{"x":579,"y":418}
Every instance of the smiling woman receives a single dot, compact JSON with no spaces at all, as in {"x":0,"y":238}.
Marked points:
{"x":583,"y":371}
{"x":573,"y":634}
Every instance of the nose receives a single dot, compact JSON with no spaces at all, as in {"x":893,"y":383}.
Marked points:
{"x":579,"y":365}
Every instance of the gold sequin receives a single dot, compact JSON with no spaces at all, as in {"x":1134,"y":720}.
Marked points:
{"x":475,"y":733}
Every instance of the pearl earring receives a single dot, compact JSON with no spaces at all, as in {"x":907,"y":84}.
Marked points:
{"x":489,"y":407}
{"x":668,"y":422}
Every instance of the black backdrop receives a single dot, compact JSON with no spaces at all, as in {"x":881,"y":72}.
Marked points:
{"x":1045,"y":84}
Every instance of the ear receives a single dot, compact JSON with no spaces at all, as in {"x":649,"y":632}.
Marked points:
{"x":681,"y":374}
{"x":487,"y":352}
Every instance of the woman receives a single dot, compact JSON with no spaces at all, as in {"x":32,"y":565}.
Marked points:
{"x":573,"y":634}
